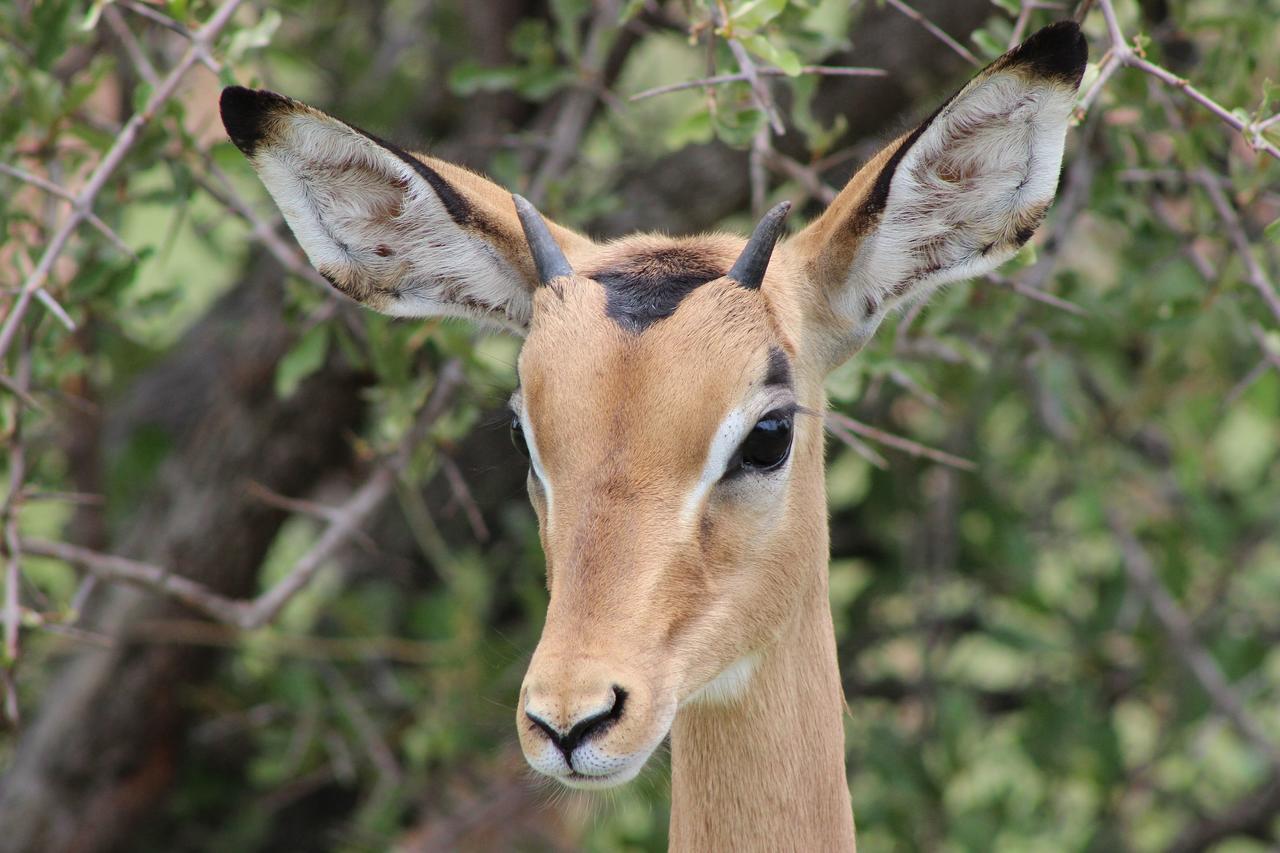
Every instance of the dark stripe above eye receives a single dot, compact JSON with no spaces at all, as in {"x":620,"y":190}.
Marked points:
{"x":779,"y":368}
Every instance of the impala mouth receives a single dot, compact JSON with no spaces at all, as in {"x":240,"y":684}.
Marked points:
{"x":587,"y":782}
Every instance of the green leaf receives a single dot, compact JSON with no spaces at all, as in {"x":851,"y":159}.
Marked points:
{"x":254,"y":37}
{"x":691,"y":130}
{"x":781,"y":57}
{"x":1272,"y":231}
{"x":738,"y":128}
{"x":754,"y":14}
{"x":304,"y":359}
{"x":469,"y":78}
{"x":988,"y":43}
{"x":91,"y":17}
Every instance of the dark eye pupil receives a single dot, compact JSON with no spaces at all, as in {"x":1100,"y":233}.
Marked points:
{"x":769,"y":442}
{"x":518,"y":439}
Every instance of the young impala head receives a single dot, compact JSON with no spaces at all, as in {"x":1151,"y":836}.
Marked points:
{"x":671,"y":388}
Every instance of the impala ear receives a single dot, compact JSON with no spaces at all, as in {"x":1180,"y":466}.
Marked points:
{"x":954,"y":198}
{"x":405,"y":235}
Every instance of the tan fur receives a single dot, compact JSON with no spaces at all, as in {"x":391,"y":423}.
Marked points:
{"x":698,"y":602}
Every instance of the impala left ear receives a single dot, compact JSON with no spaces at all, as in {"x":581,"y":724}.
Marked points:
{"x":954,"y":198}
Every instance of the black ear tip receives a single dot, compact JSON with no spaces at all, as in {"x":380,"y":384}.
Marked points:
{"x":1058,"y":51}
{"x":246,"y":113}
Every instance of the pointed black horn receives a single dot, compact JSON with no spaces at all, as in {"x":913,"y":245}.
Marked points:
{"x":547,"y":255}
{"x":748,"y":270}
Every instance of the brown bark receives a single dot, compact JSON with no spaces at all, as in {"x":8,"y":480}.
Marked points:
{"x":108,"y":737}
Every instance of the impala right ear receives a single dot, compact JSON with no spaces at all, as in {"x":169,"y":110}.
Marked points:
{"x":405,"y":235}
{"x":953,"y":199}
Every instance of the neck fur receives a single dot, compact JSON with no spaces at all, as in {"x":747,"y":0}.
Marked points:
{"x":765,"y":770}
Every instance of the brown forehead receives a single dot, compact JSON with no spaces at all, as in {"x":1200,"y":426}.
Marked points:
{"x":591,"y":382}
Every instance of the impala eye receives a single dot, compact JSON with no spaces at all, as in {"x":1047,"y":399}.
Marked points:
{"x":517,"y":437}
{"x":767,"y":446}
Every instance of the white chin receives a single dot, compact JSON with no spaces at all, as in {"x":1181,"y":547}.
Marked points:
{"x":583,"y":782}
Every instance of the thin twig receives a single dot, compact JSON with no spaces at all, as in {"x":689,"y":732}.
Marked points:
{"x":12,"y":543}
{"x":740,"y":77}
{"x":462,"y":494}
{"x":759,"y":89}
{"x":897,"y":442}
{"x":1123,"y":54}
{"x":935,"y":31}
{"x":856,"y":444}
{"x":1037,"y":294}
{"x":1254,"y":273}
{"x":137,"y":56}
{"x":346,"y":522}
{"x":1177,"y":626}
{"x":53,"y":189}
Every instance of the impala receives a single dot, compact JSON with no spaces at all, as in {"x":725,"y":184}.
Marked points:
{"x":670,"y":406}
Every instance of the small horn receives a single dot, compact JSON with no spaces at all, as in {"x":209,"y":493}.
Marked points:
{"x":547,"y":255}
{"x":748,"y":270}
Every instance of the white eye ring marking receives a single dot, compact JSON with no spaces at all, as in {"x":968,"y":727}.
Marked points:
{"x":729,"y":436}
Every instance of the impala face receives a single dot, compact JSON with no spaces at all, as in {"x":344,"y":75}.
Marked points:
{"x":664,"y":459}
{"x":670,"y":399}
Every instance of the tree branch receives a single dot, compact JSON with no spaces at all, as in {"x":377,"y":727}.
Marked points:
{"x":346,"y":520}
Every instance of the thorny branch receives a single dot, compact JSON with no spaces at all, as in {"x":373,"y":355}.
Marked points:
{"x":34,"y":285}
{"x":1121,"y":54}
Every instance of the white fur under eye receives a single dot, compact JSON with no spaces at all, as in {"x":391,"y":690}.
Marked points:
{"x":729,"y":436}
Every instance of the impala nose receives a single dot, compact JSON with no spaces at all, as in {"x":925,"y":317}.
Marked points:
{"x":566,"y":731}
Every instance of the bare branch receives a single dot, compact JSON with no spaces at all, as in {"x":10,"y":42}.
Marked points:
{"x":1037,"y":294}
{"x":462,"y":494}
{"x":137,"y":573}
{"x":935,"y":31}
{"x":345,"y":523}
{"x":575,"y":111}
{"x":137,"y":56}
{"x":1177,"y":626}
{"x":33,"y":287}
{"x":856,"y":444}
{"x":897,"y":442}
{"x":1254,"y":273}
{"x":53,"y":189}
{"x":1122,"y":53}
{"x":747,"y":66}
{"x":12,"y":545}
{"x":722,"y":79}
{"x":806,"y":176}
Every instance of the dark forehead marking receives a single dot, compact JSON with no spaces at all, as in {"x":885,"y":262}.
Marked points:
{"x":648,"y":286}
{"x":779,"y":368}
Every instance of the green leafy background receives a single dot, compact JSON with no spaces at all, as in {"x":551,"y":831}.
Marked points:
{"x":1009,"y":688}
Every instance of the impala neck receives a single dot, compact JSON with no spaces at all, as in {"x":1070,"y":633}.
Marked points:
{"x":766,"y":771}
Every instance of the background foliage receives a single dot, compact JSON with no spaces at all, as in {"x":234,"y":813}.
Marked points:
{"x":1055,"y":569}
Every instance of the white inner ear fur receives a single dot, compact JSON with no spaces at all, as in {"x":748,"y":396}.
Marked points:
{"x":368,"y":219}
{"x":984,"y":170}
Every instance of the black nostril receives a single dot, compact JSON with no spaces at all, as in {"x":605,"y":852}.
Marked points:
{"x":585,"y":728}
